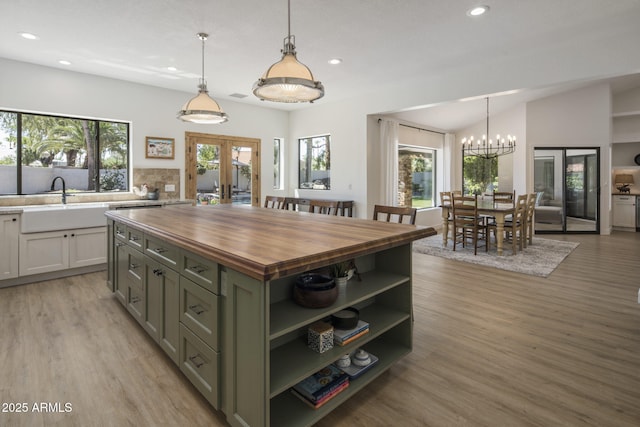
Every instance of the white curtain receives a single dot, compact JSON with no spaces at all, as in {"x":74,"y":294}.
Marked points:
{"x":389,"y":161}
{"x":449,"y":167}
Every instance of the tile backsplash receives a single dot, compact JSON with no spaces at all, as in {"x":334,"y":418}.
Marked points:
{"x":158,"y":178}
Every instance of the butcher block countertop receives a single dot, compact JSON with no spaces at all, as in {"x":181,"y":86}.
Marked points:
{"x":268,"y":243}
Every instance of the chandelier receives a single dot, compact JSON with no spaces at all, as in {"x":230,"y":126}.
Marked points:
{"x":288,"y":80}
{"x":488,"y":149}
{"x":202,"y":108}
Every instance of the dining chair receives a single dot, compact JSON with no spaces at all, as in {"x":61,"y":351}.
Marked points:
{"x":504,"y":198}
{"x":467,"y":224}
{"x":531,"y":208}
{"x":401,"y":215}
{"x":514,"y":228}
{"x":274,"y":202}
{"x":327,"y":207}
{"x":446,"y":200}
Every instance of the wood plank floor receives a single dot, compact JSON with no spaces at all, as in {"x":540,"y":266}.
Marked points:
{"x":492,"y":348}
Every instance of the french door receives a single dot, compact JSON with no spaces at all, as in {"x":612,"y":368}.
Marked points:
{"x":222,"y":169}
{"x":567,"y":182}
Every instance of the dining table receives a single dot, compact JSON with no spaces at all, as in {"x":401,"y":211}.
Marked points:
{"x":487,"y":208}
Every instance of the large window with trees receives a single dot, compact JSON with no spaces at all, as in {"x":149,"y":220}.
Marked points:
{"x":480,"y":175}
{"x":314,"y":163}
{"x":91,"y":155}
{"x":416,"y":176}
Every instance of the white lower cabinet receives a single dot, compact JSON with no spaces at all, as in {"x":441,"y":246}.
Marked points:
{"x":59,"y":250}
{"x":9,"y":238}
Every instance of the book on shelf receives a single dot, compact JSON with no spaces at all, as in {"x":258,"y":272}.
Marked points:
{"x":340,"y":335}
{"x":322,"y":383}
{"x":352,"y":338}
{"x":319,"y":403}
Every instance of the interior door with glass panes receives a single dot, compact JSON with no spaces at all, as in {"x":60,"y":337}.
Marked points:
{"x":222,"y":169}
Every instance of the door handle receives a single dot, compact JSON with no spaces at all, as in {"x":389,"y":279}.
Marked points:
{"x":229,"y":192}
{"x":222,"y":192}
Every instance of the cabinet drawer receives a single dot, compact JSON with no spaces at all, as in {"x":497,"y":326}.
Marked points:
{"x":161,"y":251}
{"x":135,"y":269}
{"x":134,"y":238}
{"x":135,"y":303}
{"x":201,"y":271}
{"x":200,"y":363}
{"x":120,"y":231}
{"x":199,"y":312}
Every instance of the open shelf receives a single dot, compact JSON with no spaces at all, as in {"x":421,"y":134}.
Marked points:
{"x":294,"y":361}
{"x":288,"y":410}
{"x":287,"y":316}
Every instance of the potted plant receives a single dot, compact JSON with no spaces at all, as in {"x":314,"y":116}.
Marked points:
{"x":340,"y":272}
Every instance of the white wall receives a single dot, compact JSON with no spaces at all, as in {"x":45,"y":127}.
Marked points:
{"x":580,"y":118}
{"x":151,"y":111}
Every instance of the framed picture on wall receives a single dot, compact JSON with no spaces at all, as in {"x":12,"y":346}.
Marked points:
{"x":159,"y":148}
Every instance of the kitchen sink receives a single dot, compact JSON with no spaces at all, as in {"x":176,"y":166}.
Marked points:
{"x":62,"y":217}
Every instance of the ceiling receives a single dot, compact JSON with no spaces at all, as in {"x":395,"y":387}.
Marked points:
{"x":379,"y":41}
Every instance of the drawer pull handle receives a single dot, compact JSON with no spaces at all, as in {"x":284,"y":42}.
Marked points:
{"x":119,"y":244}
{"x":160,"y":250}
{"x":135,"y":300}
{"x":197,"y":360}
{"x":198,"y":269}
{"x":158,"y":272}
{"x":134,"y":266}
{"x":134,"y":238}
{"x":197,"y":309}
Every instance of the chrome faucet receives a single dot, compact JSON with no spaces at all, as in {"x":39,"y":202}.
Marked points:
{"x":64,"y":188}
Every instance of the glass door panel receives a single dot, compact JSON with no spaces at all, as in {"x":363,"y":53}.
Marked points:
{"x":566,"y":181}
{"x":548,"y":184}
{"x":221,"y":169}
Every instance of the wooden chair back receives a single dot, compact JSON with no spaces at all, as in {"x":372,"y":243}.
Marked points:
{"x":274,"y":202}
{"x":504,"y":198}
{"x":327,"y":207}
{"x":400,"y":215}
{"x":531,"y":208}
{"x":467,"y":224}
{"x":515,"y":228}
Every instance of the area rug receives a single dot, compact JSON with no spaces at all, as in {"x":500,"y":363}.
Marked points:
{"x":539,"y":259}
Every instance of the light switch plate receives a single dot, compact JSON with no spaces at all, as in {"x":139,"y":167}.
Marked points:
{"x":169,"y":188}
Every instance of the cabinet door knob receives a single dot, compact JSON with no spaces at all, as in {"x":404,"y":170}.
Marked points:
{"x":158,"y":272}
{"x":14,"y":219}
{"x":160,"y":250}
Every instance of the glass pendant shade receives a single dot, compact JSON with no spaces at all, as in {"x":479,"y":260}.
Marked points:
{"x":202,"y":108}
{"x":288,"y":80}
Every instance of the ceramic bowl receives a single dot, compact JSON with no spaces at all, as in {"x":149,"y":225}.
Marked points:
{"x":317,"y":291}
{"x":361,"y":358}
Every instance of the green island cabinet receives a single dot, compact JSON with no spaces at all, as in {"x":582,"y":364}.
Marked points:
{"x":213,"y":287}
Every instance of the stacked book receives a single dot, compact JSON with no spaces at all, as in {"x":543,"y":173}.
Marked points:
{"x":343,"y":337}
{"x":319,"y":388}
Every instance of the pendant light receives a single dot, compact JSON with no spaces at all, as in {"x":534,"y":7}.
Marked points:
{"x":487,"y":149}
{"x":288,"y":80}
{"x":202,"y":108}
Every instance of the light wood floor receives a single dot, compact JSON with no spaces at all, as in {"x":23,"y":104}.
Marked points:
{"x":492,"y":348}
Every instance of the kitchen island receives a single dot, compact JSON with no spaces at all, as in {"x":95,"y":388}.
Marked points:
{"x":213,"y":287}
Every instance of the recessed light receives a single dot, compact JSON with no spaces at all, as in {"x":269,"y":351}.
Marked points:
{"x":29,"y":36}
{"x":172,"y":69}
{"x":64,"y":62}
{"x":477,"y":10}
{"x":335,"y":61}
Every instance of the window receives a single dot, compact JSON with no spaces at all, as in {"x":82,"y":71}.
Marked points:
{"x":416,"y":176}
{"x":90,"y":155}
{"x":314,"y":163}
{"x":277,"y":164}
{"x":480,"y":175}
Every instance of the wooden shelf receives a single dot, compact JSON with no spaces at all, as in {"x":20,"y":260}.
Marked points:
{"x":294,"y":361}
{"x":288,"y":410}
{"x":287,"y":316}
